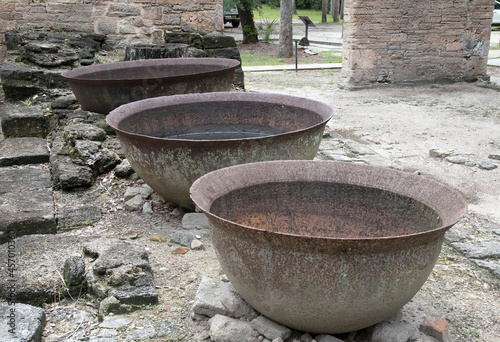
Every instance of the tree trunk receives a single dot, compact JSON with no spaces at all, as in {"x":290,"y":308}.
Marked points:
{"x":336,"y":10}
{"x":324,"y":11}
{"x":250,"y":34}
{"x":285,"y":49}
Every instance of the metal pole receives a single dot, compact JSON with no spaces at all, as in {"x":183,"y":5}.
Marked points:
{"x":296,"y":57}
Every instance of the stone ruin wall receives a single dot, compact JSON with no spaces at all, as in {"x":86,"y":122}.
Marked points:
{"x":398,"y":41}
{"x":123,"y":22}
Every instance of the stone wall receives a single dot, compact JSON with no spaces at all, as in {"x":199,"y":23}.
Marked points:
{"x":398,"y":41}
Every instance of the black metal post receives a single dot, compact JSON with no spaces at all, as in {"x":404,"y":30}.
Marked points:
{"x":296,"y":56}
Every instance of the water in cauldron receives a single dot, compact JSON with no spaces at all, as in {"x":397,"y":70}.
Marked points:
{"x":223,"y":132}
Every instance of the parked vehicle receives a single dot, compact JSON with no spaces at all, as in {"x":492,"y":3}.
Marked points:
{"x":496,"y":13}
{"x":231,"y":16}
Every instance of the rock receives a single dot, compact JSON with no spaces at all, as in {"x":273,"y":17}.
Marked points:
{"x":226,"y":329}
{"x":479,"y":250}
{"x":194,"y":221}
{"x":36,"y":217}
{"x":80,"y":130}
{"x":494,"y":156}
{"x":21,"y":322}
{"x":109,"y":305}
{"x":141,"y":334}
{"x":485,"y":165}
{"x":116,"y":322}
{"x":435,"y":327}
{"x":147,"y":208}
{"x":236,"y":305}
{"x":74,"y":274}
{"x":124,"y":169}
{"x":437,"y":153}
{"x":134,"y":204}
{"x":20,"y":120}
{"x":20,"y":81}
{"x":207,"y":300}
{"x":356,"y":148}
{"x":217,"y":41}
{"x":93,"y":155}
{"x":458,"y":160}
{"x":69,"y":217}
{"x":389,"y":331}
{"x":304,"y":41}
{"x":327,"y":338}
{"x":121,"y":270}
{"x":40,"y":267}
{"x":493,"y":266}
{"x":23,"y":151}
{"x":270,"y":328}
{"x":192,"y":39}
{"x":67,"y":175}
{"x":63,"y":102}
{"x":197,"y":245}
{"x":183,"y":239}
{"x":149,"y":51}
{"x":143,"y":191}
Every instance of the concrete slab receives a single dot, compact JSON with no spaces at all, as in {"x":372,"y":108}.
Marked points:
{"x":23,"y":151}
{"x":27,"y":212}
{"x":28,"y":178}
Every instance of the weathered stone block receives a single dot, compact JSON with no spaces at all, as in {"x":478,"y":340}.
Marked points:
{"x":28,"y":322}
{"x":22,"y":151}
{"x":25,"y":121}
{"x":27,"y":212}
{"x":22,"y":179}
{"x":40,"y":262}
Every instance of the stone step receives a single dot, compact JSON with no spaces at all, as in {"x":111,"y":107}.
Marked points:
{"x":21,"y":120}
{"x":23,"y":151}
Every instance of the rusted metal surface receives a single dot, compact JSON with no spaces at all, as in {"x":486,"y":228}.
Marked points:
{"x":322,"y":246}
{"x":173,"y":140}
{"x":103,"y":87}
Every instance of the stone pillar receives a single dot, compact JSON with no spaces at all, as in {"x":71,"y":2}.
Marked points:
{"x":408,"y":41}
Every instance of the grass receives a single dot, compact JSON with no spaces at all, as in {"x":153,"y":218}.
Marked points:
{"x":266,"y":12}
{"x":248,"y":59}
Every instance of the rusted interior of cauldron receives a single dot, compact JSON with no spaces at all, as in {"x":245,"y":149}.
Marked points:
{"x":325,"y":210}
{"x":244,"y":119}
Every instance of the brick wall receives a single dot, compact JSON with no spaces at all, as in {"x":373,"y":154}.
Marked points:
{"x":398,"y":41}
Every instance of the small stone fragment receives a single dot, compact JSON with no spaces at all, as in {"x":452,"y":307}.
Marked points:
{"x":434,"y":327}
{"x":158,"y":238}
{"x":437,"y":153}
{"x":458,"y":160}
{"x":270,"y":328}
{"x":485,"y":165}
{"x":197,"y":245}
{"x":134,"y":204}
{"x":494,"y":156}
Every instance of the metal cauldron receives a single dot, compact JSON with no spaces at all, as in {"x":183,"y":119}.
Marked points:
{"x":171,"y":141}
{"x":322,"y":246}
{"x":103,"y":87}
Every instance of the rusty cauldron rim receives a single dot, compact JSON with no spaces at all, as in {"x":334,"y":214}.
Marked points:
{"x":226,"y":65}
{"x":136,"y":108}
{"x":277,"y":172}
